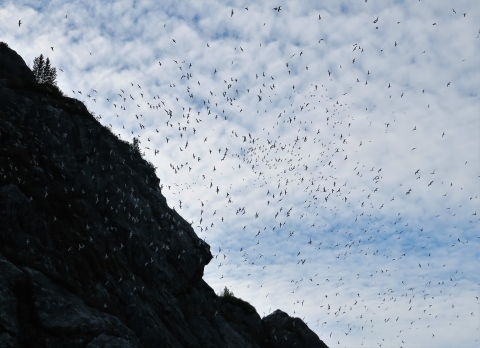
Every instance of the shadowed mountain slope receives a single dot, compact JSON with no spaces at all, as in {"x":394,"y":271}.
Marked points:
{"x":90,"y":253}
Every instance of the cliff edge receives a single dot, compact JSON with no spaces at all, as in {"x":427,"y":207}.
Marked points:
{"x":90,"y":253}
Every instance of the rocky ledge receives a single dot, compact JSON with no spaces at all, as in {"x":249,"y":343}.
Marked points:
{"x":90,"y":253}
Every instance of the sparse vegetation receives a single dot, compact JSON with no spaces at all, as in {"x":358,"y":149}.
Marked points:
{"x":136,"y":146}
{"x":227,"y":297}
{"x":43,"y":71}
{"x":45,"y":79}
{"x":226,"y":293}
{"x":4,"y":44}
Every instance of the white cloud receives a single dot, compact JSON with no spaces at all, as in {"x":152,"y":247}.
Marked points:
{"x":389,"y":214}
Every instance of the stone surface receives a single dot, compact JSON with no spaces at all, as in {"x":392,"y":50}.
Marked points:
{"x":91,"y":255}
{"x":13,"y":66}
{"x":285,"y":331}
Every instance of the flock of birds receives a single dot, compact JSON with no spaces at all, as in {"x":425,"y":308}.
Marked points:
{"x":302,"y":152}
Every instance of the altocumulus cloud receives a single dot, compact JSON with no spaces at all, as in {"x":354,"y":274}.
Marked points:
{"x":328,"y":152}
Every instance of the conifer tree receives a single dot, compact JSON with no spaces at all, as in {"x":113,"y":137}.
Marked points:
{"x":226,"y":293}
{"x":43,"y":71}
{"x":136,"y":145}
{"x":50,"y":73}
{"x":38,"y":64}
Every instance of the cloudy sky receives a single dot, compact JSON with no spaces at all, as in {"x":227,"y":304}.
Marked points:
{"x":328,"y":151}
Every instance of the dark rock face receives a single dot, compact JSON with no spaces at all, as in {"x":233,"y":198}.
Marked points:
{"x":13,"y":66}
{"x":285,"y":331}
{"x":90,"y":253}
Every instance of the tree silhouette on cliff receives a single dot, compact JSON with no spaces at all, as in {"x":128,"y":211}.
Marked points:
{"x":43,"y":71}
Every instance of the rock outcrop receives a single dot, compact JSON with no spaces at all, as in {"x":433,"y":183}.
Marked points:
{"x":90,"y":253}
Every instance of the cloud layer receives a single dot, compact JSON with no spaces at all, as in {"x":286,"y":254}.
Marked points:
{"x":328,"y":152}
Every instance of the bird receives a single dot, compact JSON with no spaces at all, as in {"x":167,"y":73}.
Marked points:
{"x":269,"y":154}
{"x":19,"y":23}
{"x":231,"y":14}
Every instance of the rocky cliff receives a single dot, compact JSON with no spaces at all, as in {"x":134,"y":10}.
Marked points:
{"x":90,"y":253}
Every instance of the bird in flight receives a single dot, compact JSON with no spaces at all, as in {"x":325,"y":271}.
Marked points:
{"x":51,"y":48}
{"x":231,"y":14}
{"x":19,"y":23}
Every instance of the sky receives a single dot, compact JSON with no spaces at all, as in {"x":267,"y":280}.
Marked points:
{"x":329,"y":152}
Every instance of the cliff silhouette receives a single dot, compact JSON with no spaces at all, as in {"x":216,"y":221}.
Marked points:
{"x":90,"y":253}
